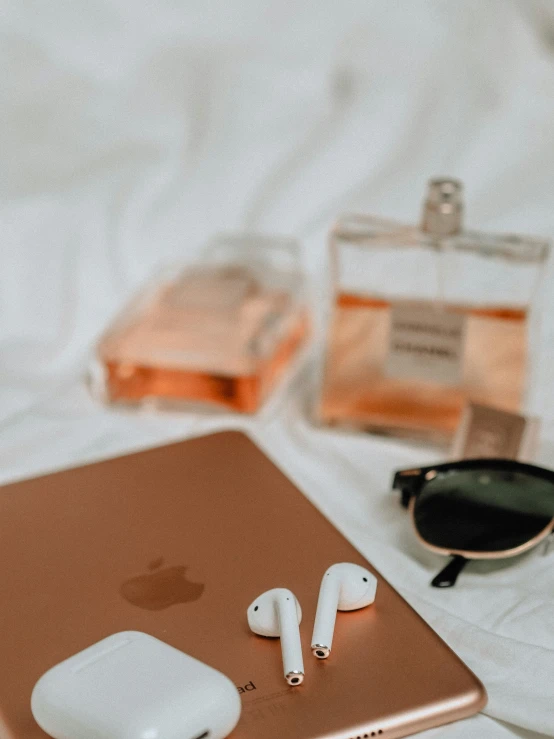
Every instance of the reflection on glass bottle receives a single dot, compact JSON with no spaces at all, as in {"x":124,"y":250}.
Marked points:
{"x":220,"y":332}
{"x":426,"y":318}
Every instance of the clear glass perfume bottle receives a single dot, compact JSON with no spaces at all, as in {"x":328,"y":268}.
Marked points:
{"x":425,"y":319}
{"x":222,"y":331}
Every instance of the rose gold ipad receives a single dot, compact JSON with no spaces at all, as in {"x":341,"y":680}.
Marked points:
{"x":177,"y":541}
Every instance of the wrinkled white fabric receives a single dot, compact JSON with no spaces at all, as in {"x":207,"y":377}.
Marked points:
{"x":130,"y":132}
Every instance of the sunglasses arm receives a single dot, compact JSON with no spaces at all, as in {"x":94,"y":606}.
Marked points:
{"x":407,"y":483}
{"x":448,"y":575}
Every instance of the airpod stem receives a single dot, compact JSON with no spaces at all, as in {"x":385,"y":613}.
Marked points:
{"x":326,"y":615}
{"x":291,"y":646}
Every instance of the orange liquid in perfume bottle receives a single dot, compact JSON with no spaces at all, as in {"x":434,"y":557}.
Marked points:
{"x":357,"y":393}
{"x":137,"y":382}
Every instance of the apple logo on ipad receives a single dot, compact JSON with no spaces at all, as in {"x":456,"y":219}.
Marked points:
{"x":161,"y":587}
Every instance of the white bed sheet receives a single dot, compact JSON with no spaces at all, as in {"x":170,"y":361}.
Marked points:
{"x":131,"y":131}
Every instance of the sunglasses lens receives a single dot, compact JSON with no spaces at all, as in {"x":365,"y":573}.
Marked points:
{"x":484,"y":510}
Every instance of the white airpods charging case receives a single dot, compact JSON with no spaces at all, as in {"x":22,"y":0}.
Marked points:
{"x":133,"y":686}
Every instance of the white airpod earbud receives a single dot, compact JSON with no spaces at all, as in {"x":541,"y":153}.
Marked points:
{"x":345,"y":587}
{"x":278,"y":613}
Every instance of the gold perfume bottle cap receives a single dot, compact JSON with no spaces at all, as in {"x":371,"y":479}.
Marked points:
{"x":443,"y":207}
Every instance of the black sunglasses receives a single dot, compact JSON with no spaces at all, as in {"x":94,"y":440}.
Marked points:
{"x":478,"y":509}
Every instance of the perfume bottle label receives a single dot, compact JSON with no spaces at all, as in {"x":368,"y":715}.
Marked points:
{"x":425,"y":344}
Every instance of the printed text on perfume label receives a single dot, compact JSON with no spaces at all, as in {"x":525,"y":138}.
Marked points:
{"x":425,"y":344}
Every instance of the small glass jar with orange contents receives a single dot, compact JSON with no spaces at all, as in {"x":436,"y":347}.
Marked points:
{"x":222,"y":331}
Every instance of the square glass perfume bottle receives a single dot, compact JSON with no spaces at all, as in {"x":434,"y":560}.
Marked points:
{"x":222,"y":331}
{"x":426,"y":318}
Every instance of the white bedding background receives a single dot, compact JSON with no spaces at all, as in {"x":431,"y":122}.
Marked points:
{"x":130,"y":132}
